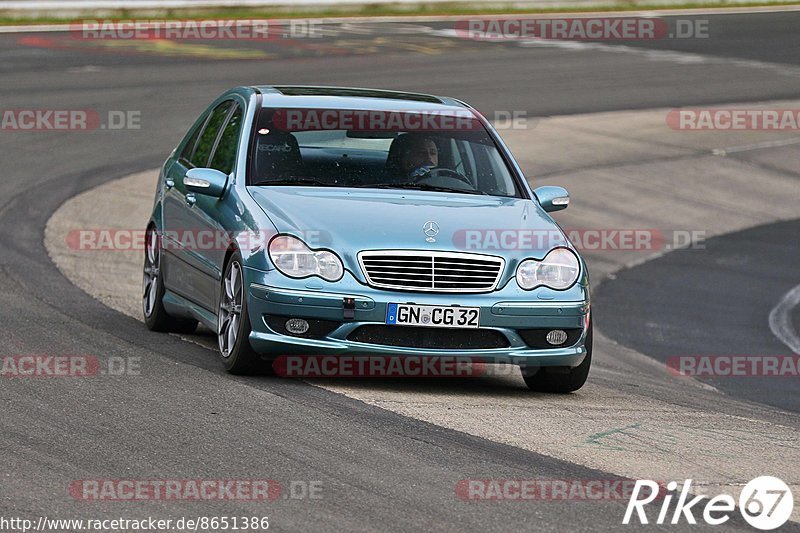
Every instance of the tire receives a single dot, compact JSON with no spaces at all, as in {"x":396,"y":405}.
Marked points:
{"x":233,"y":323}
{"x":560,"y":379}
{"x":155,"y":316}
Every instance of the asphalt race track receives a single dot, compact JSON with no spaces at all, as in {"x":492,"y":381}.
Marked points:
{"x":732,"y":318}
{"x":389,"y":454}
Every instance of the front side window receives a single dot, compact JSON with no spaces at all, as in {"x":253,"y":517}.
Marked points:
{"x":378,"y":149}
{"x":224,"y":156}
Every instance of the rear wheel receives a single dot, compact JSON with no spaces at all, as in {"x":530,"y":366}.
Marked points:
{"x":560,"y":379}
{"x":155,"y":316}
{"x":233,"y":323}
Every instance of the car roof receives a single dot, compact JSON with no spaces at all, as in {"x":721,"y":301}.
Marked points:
{"x":321,"y":97}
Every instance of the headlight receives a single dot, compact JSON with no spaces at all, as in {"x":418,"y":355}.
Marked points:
{"x":558,"y":270}
{"x":294,"y":258}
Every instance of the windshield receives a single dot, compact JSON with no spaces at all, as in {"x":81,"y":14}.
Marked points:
{"x":447,"y":152}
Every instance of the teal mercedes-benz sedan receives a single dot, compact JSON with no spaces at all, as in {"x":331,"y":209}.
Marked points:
{"x":340,"y":222}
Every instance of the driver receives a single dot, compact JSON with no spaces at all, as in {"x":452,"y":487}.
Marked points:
{"x":419,"y":156}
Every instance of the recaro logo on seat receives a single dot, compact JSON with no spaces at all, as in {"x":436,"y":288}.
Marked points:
{"x":274,"y":147}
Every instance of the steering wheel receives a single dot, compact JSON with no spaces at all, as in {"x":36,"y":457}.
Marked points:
{"x":442,"y":171}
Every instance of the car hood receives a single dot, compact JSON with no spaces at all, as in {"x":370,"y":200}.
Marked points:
{"x":349,"y":220}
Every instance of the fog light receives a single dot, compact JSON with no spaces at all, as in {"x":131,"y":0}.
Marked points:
{"x":298,"y":326}
{"x":556,"y":337}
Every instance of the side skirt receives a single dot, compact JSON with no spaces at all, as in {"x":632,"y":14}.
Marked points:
{"x":181,"y":307}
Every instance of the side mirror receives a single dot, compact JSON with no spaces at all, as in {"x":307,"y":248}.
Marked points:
{"x":205,"y":181}
{"x":552,"y":198}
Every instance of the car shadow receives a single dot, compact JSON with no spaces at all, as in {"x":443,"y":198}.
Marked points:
{"x":496,"y":381}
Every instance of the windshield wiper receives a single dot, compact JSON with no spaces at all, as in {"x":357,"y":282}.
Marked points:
{"x":421,"y":187}
{"x":292,"y":181}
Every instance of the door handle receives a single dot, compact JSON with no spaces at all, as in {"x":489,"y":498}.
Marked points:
{"x":191,"y":199}
{"x":169,"y":183}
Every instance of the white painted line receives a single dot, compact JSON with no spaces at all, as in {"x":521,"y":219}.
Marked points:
{"x":780,"y":320}
{"x":170,"y":4}
{"x":672,"y":56}
{"x":36,"y":28}
{"x":178,"y":4}
{"x":756,"y":146}
{"x":56,"y":5}
{"x":62,"y":6}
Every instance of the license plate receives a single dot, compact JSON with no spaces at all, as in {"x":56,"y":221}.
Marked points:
{"x":433,"y":316}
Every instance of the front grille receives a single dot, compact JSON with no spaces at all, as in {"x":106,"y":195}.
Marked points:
{"x":431,"y":271}
{"x":429,"y":338}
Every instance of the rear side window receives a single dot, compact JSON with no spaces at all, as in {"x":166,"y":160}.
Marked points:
{"x":225,"y":154}
{"x":205,"y":143}
{"x":188,"y":148}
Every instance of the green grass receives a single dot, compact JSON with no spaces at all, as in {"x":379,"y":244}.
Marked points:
{"x":453,"y":9}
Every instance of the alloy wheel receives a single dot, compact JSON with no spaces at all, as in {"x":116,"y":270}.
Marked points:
{"x":151,"y":272}
{"x":230,"y":309}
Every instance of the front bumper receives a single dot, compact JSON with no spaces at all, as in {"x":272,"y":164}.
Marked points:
{"x":506,"y":311}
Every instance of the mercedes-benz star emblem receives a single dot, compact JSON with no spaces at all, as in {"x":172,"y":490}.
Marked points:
{"x":431,"y":229}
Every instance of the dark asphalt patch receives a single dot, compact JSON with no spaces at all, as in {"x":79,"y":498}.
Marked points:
{"x":713,"y":302}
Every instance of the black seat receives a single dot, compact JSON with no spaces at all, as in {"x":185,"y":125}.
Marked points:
{"x":399,"y":145}
{"x":277,"y":156}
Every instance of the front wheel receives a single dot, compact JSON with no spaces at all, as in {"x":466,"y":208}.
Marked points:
{"x":560,"y":379}
{"x":233,"y":323}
